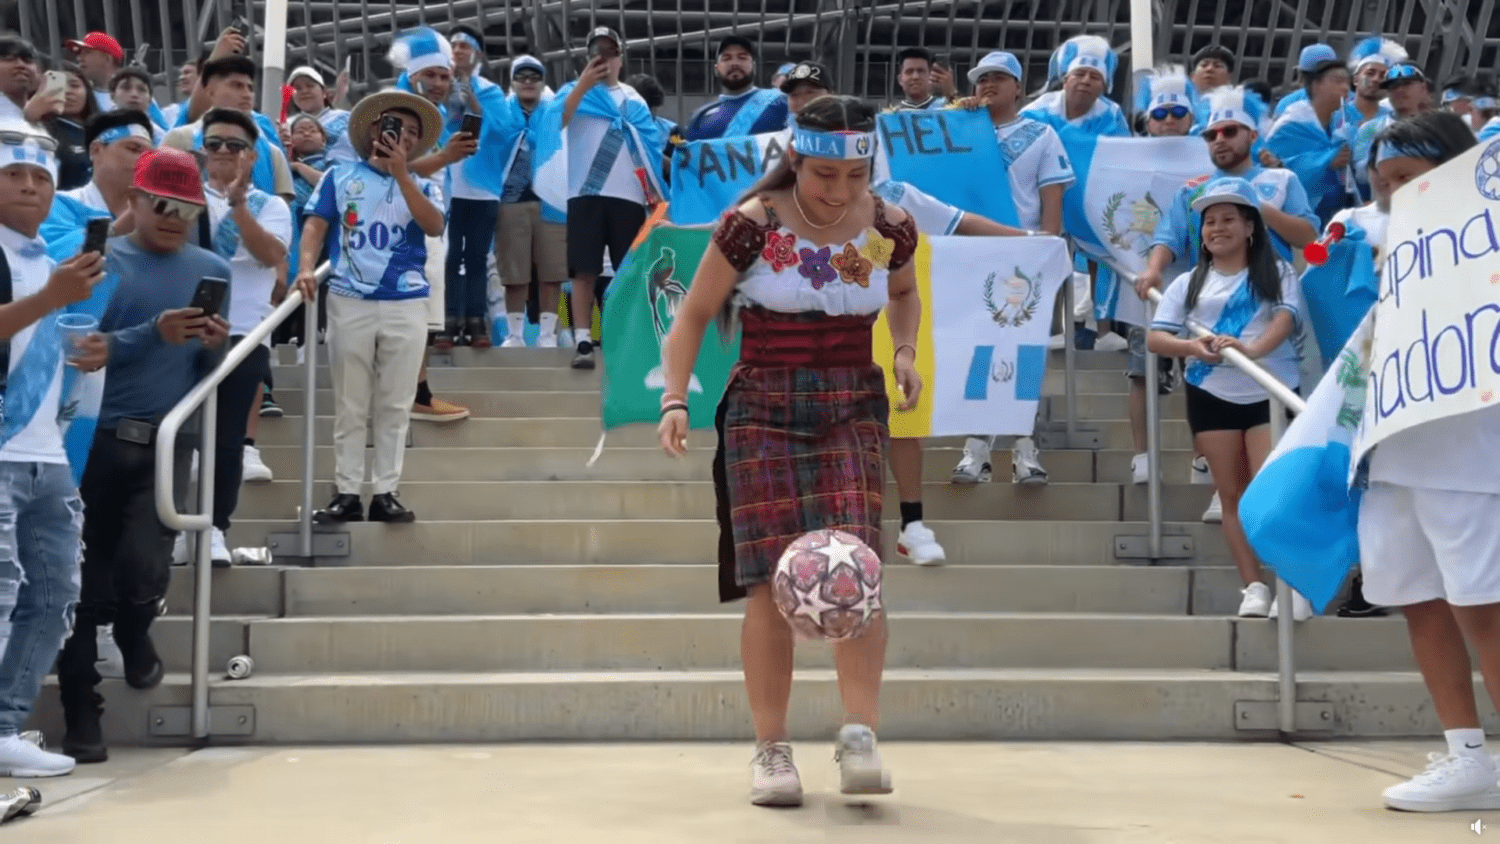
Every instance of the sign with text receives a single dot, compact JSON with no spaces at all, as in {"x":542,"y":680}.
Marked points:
{"x":951,"y":154}
{"x":708,"y":177}
{"x":1436,"y":351}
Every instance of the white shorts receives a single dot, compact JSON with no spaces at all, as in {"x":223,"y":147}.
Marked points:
{"x":1420,"y":545}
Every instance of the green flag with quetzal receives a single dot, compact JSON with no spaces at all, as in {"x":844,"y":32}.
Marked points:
{"x":638,"y":312}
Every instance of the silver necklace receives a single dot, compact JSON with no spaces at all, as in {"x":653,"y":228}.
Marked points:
{"x":806,"y":219}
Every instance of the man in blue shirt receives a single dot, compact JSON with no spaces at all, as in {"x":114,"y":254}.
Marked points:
{"x":157,"y":349}
{"x":381,"y":216}
{"x":742,"y":109}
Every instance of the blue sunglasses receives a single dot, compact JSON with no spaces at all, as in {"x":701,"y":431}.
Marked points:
{"x":1403,"y":71}
{"x":1164,"y":112}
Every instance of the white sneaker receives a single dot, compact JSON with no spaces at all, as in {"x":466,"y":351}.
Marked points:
{"x":1026,"y":465}
{"x":193,"y":468}
{"x":514,"y":341}
{"x":859,"y":762}
{"x":773,"y":776}
{"x":1301,"y":607}
{"x":1199,"y":473}
{"x":1140,"y":469}
{"x":181,"y":554}
{"x":219,"y":553}
{"x":109,"y":662}
{"x":1111,"y":342}
{"x":919,"y":544}
{"x":21,"y":758}
{"x":1450,"y":784}
{"x":1256,"y":602}
{"x":255,"y":470}
{"x":1215,"y":513}
{"x":546,"y":341}
{"x":974,"y":468}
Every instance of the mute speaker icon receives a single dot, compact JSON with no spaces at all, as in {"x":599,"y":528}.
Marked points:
{"x":1477,"y":826}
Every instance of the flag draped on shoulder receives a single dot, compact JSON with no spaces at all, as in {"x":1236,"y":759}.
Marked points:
{"x":486,"y":169}
{"x":709,"y":176}
{"x":644,"y":139}
{"x":1124,"y":186}
{"x":1307,"y":149}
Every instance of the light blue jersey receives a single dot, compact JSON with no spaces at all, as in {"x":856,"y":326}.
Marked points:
{"x":375,"y":247}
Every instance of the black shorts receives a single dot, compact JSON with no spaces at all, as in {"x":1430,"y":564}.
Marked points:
{"x":597,"y":223}
{"x":1208,"y":412}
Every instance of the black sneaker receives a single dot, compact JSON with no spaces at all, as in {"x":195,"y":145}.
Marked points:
{"x":269,"y":409}
{"x":1166,"y":378}
{"x":584,"y":359}
{"x":1357,"y":606}
{"x":385,"y":508}
{"x":84,"y":740}
{"x":343,"y":508}
{"x":143,"y":667}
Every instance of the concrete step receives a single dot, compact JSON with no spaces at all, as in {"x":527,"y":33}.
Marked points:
{"x":694,"y":541}
{"x":473,"y":500}
{"x":173,"y":636}
{"x":581,"y":432}
{"x":537,"y":589}
{"x":645,"y":463}
{"x":680,"y":641}
{"x":925,"y":704}
{"x":444,"y":379}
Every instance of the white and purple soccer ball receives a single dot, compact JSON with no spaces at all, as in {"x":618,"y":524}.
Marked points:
{"x":827,"y":586}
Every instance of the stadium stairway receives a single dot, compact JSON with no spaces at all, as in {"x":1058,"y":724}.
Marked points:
{"x":538,"y":599}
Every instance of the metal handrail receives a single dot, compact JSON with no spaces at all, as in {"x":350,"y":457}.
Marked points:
{"x":1280,"y":396}
{"x":205,"y":393}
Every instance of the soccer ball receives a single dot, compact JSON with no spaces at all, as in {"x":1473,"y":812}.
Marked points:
{"x":827,"y":585}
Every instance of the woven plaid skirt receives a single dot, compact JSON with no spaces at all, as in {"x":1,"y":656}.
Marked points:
{"x":800,"y":449}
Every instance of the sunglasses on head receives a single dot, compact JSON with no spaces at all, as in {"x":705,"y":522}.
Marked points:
{"x":1162,"y":113}
{"x":218,"y":144}
{"x":1403,"y":71}
{"x":166,"y":207}
{"x":15,"y":139}
{"x":1228,"y":133}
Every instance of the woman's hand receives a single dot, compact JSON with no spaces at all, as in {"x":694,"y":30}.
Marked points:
{"x":908,"y":380}
{"x":1204,"y":349}
{"x":672,"y":432}
{"x":1220,"y":342}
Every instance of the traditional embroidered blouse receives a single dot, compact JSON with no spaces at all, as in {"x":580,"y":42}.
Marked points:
{"x":782,"y":272}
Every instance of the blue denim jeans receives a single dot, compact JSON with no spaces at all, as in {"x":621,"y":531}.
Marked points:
{"x":41,"y":525}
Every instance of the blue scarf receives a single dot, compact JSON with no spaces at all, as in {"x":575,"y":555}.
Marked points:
{"x":1238,"y":312}
{"x":227,"y":235}
{"x":754,"y":106}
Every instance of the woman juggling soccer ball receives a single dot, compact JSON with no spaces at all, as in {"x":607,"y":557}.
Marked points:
{"x":1252,"y":302}
{"x":806,"y":262}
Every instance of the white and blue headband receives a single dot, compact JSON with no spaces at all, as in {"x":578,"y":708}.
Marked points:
{"x":27,"y":150}
{"x":840,"y":146}
{"x":120,"y":133}
{"x":1389,"y":150}
{"x":466,"y":38}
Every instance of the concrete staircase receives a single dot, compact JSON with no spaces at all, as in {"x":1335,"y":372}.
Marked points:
{"x":540,"y":599}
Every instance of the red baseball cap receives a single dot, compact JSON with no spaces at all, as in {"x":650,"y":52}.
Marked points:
{"x":169,"y":173}
{"x":97,"y":41}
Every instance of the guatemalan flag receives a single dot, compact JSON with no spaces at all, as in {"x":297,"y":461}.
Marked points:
{"x":1308,"y":150}
{"x":1341,"y":291}
{"x":644,"y":141}
{"x":1111,"y":211}
{"x":1301,"y":514}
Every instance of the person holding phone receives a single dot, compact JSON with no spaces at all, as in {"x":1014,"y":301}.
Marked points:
{"x":918,"y":74}
{"x":73,"y":167}
{"x":379,"y":216}
{"x":158,"y":346}
{"x":40,"y":511}
{"x":252,"y":230}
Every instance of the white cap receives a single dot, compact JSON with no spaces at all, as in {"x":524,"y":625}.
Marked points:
{"x":306,"y":73}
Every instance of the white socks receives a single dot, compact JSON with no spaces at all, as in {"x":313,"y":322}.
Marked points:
{"x":516,"y":323}
{"x":547,"y":324}
{"x":582,"y":336}
{"x":1466,"y":742}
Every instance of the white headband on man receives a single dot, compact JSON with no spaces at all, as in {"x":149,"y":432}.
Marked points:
{"x":28,"y":152}
{"x":841,"y":146}
{"x":120,"y":133}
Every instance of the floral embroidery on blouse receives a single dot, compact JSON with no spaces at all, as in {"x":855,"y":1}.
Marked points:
{"x":815,"y":266}
{"x":878,"y":248}
{"x":780,"y":251}
{"x":854,"y":268}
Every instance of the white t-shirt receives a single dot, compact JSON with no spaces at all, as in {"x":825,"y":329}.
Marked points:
{"x":250,"y":289}
{"x":1213,"y":309}
{"x":1034,"y":158}
{"x":90,"y":196}
{"x":41,"y":440}
{"x":585,"y":134}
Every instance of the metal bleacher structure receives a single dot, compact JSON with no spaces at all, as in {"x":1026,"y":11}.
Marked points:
{"x":537,"y":598}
